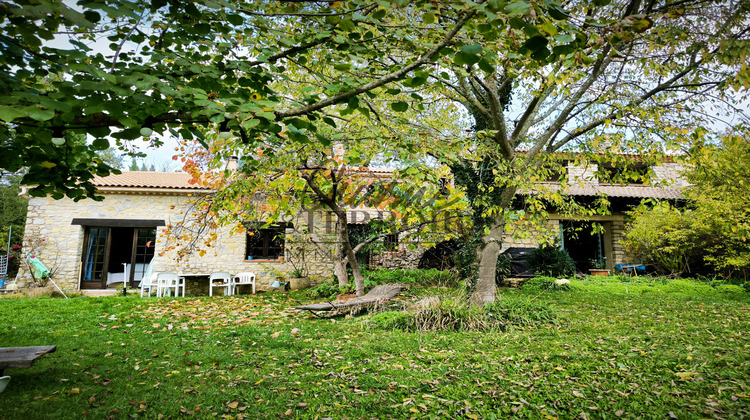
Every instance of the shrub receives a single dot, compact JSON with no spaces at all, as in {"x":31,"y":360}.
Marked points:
{"x":546,"y":283}
{"x":551,"y":261}
{"x":393,"y":320}
{"x":324,"y":291}
{"x":502,"y":270}
{"x":421,"y":277}
{"x":522,"y":312}
{"x":731,"y":289}
{"x":453,"y":314}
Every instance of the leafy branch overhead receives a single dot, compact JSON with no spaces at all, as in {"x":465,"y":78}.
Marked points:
{"x":129,"y":69}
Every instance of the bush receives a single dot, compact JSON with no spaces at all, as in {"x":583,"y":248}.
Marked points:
{"x":393,"y":320}
{"x":453,"y":314}
{"x":551,"y":261}
{"x":731,"y":289}
{"x":502,"y":269}
{"x":545,"y":283}
{"x":522,"y":312}
{"x":420,"y":277}
{"x":324,"y":291}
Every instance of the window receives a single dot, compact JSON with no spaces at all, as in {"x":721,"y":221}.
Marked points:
{"x":265,"y":244}
{"x":443,"y":187}
{"x":391,"y":242}
{"x":632,"y":174}
{"x":554,"y":172}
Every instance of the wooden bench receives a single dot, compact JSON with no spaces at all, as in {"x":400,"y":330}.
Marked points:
{"x":22,"y":357}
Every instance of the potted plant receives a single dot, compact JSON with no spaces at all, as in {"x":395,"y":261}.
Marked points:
{"x":599,"y":267}
{"x":298,"y":280}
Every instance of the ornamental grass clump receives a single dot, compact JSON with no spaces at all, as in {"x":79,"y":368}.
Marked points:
{"x":522,"y":312}
{"x":454,"y":314}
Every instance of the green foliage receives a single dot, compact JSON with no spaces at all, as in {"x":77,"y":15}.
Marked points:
{"x":157,"y":353}
{"x":371,"y":232}
{"x":664,"y":237}
{"x":449,"y":311}
{"x":111,"y":157}
{"x":392,"y":320}
{"x":420,"y":277}
{"x":712,"y":234}
{"x":13,"y":210}
{"x":522,"y":312}
{"x":551,"y":261}
{"x":544,"y":284}
{"x":327,"y":290}
{"x":503,"y":269}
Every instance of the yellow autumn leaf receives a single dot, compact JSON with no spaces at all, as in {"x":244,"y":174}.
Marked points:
{"x":686,"y":376}
{"x":47,"y":164}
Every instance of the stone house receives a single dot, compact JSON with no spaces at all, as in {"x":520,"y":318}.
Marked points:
{"x":99,"y":244}
{"x":581,"y":237}
{"x":95,"y":245}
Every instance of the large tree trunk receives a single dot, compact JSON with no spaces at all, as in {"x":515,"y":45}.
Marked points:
{"x":359,"y":281}
{"x":339,"y":270}
{"x":487,"y":254}
{"x":339,"y":259}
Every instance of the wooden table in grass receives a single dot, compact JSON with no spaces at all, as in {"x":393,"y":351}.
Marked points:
{"x":21,"y":357}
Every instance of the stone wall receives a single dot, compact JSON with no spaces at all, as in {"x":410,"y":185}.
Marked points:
{"x":669,"y":174}
{"x":521,"y":236}
{"x":63,"y":244}
{"x":614,"y":234}
{"x":582,"y":174}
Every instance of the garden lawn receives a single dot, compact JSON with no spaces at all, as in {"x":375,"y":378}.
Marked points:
{"x":620,"y":350}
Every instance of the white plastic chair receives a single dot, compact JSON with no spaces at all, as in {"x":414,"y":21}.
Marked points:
{"x":242,"y":279}
{"x":149,"y":281}
{"x":4,"y":382}
{"x":220,"y":279}
{"x":167,"y":281}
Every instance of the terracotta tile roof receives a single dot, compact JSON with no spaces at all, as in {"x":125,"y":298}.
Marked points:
{"x":626,"y":191}
{"x":147,"y":179}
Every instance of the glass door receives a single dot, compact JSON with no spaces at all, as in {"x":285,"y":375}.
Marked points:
{"x":95,"y":258}
{"x":144,"y":241}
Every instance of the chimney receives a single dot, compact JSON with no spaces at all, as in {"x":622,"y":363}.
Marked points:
{"x":338,"y":152}
{"x":233,"y":163}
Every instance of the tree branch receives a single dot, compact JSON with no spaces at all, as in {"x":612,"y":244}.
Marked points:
{"x":424,"y":59}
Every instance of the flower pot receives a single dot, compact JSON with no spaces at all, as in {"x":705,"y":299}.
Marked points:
{"x":598,"y":272}
{"x":296,"y":283}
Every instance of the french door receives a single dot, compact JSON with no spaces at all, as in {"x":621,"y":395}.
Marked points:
{"x":96,"y":243}
{"x":112,"y":255}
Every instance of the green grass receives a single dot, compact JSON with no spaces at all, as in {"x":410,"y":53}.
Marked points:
{"x":640,"y":349}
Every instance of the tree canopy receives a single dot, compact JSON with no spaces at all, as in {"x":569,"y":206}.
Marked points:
{"x":711,"y":234}
{"x":537,"y":77}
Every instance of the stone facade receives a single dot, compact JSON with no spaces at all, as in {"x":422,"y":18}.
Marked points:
{"x":63,"y":246}
{"x":614,"y":228}
{"x":62,"y":249}
{"x":582,"y":174}
{"x":667,"y":174}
